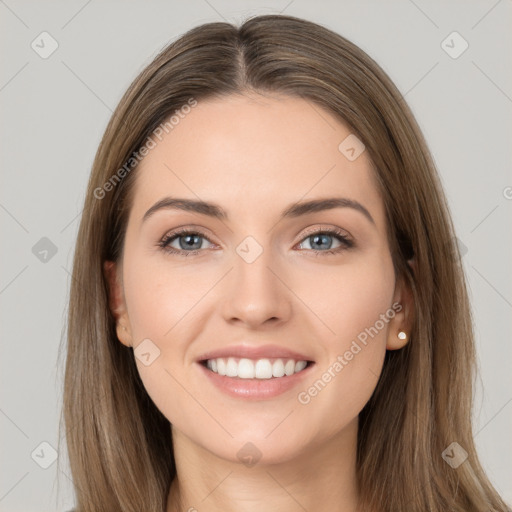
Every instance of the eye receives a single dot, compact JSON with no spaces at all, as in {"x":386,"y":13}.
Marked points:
{"x":186,"y":238}
{"x":190,"y":242}
{"x":320,"y":238}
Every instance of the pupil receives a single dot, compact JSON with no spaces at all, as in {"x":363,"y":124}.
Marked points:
{"x":190,"y":240}
{"x":322,"y":237}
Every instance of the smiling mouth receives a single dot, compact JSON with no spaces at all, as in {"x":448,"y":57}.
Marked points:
{"x":260,"y":369}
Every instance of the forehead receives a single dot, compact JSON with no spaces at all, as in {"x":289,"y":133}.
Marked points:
{"x":255,"y":154}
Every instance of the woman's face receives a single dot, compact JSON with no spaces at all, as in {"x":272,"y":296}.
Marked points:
{"x":255,"y":277}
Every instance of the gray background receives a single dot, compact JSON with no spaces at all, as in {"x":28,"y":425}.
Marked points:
{"x":54,"y":112}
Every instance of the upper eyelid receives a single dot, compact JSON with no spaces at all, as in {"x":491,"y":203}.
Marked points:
{"x":330,"y":229}
{"x":182,"y":231}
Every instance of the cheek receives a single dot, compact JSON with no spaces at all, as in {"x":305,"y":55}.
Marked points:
{"x":165,"y":306}
{"x":354,"y":302}
{"x":162,"y":300}
{"x":160,"y":296}
{"x":350,"y":298}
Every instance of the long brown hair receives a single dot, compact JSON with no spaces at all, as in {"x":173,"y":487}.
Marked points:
{"x":119,"y":443}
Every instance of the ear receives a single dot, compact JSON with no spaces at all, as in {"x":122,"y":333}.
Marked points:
{"x":117,"y":303}
{"x":403,"y":320}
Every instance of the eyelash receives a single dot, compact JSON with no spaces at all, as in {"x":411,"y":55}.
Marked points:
{"x":167,"y":239}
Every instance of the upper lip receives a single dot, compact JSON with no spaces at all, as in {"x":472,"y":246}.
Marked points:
{"x":255,"y":352}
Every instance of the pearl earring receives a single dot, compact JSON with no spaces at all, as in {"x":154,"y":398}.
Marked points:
{"x":402,"y":335}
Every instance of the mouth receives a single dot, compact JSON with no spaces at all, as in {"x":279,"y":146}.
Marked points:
{"x":255,"y":380}
{"x":256,"y":369}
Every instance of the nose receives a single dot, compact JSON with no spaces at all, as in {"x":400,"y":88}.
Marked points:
{"x":256,"y":293}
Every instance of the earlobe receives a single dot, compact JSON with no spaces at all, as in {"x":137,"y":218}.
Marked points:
{"x":117,"y":304}
{"x":414,"y":265}
{"x":123,"y":334}
{"x":401,"y":338}
{"x":400,"y":327}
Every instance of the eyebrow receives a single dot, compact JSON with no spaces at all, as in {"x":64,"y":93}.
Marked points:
{"x":292,"y":211}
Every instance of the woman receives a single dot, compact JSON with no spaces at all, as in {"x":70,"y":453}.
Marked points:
{"x":259,"y":371}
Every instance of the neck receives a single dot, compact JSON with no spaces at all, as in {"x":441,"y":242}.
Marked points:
{"x":318,"y":477}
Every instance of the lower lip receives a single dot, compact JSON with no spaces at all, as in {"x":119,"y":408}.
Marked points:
{"x":257,"y":389}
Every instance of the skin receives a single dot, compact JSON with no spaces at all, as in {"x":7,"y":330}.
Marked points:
{"x":255,"y":155}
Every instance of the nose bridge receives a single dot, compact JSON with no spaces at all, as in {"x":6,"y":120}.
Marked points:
{"x":256,"y":292}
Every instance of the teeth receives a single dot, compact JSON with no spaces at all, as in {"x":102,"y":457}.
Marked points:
{"x":259,"y":369}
